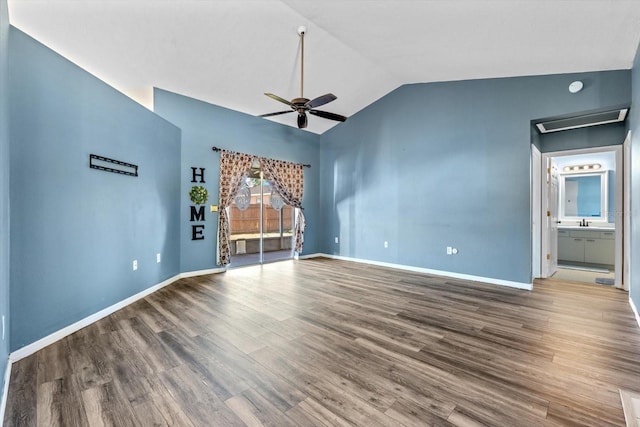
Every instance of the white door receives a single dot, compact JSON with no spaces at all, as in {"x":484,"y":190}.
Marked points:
{"x":552,"y":217}
{"x":536,"y":208}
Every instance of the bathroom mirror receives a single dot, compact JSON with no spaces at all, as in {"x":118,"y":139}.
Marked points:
{"x":583,"y":196}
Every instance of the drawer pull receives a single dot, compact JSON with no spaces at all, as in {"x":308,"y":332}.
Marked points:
{"x":578,"y":240}
{"x":590,"y":240}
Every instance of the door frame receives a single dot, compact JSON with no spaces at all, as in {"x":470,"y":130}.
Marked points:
{"x":626,"y":212}
{"x":620,"y":177}
{"x":262,"y":221}
{"x":536,"y":212}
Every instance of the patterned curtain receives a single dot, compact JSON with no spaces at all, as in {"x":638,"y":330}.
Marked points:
{"x":287,"y":179}
{"x":232,"y":170}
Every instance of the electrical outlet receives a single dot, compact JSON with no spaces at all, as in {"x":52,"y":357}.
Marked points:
{"x":386,"y":244}
{"x":337,"y":240}
{"x":449,"y":250}
{"x":135,"y":264}
{"x":158,"y":258}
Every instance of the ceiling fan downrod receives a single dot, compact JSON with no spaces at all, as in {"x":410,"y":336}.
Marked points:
{"x":302,"y":105}
{"x":301,"y":31}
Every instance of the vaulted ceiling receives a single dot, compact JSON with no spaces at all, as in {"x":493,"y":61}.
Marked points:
{"x":229,"y":52}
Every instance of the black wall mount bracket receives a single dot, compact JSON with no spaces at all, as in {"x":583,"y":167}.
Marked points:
{"x":104,"y":164}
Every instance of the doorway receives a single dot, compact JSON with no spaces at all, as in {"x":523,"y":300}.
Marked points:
{"x":261,"y":225}
{"x":581,"y":230}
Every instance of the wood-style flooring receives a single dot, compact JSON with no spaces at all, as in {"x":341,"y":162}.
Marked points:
{"x":331,"y":343}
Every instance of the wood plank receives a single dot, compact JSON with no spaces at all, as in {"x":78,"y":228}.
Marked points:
{"x":59,"y":403}
{"x":333,"y":343}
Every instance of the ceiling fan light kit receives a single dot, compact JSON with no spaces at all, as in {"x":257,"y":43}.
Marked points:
{"x":303,"y":105}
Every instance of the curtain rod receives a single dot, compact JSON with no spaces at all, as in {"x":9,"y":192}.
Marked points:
{"x":220,"y":149}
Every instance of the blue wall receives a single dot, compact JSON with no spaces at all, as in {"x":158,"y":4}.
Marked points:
{"x":634,"y":125}
{"x":203,"y":126}
{"x":76,"y":230}
{"x":590,"y":137}
{"x":447,"y":164}
{"x":4,"y":189}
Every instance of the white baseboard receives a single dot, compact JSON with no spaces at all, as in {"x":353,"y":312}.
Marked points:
{"x":5,"y":391}
{"x":508,"y":283}
{"x":28,"y":350}
{"x":635,"y":310}
{"x":316,"y":255}
{"x":202,"y":272}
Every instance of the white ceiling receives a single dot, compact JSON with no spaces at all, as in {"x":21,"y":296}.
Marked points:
{"x":229,"y":52}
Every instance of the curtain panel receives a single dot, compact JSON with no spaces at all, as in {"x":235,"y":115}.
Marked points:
{"x":288,"y":179}
{"x":233,"y":167}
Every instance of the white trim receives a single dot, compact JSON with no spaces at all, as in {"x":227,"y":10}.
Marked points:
{"x":316,"y":255}
{"x":29,"y":349}
{"x":5,"y":391}
{"x":618,"y":219}
{"x":619,"y":169}
{"x":626,"y":212}
{"x":536,"y":212}
{"x":201,"y":272}
{"x":635,"y":310}
{"x":604,"y":196}
{"x":622,"y":114}
{"x":508,"y":283}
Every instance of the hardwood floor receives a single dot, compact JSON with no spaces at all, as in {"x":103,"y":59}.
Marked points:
{"x":332,"y":343}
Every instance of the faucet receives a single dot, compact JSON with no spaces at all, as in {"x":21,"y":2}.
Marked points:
{"x":583,"y":223}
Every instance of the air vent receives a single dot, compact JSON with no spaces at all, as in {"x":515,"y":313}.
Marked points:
{"x":583,"y":121}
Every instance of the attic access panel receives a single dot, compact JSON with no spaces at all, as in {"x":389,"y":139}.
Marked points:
{"x":594,"y":119}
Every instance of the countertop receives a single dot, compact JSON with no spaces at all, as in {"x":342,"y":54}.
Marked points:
{"x":591,"y":227}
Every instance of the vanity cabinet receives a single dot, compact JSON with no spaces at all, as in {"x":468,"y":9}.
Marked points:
{"x":600,"y":250}
{"x":586,"y":246}
{"x":570,"y":248}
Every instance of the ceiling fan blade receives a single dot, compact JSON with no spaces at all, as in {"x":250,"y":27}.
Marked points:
{"x":277,"y":98}
{"x":302,"y":121}
{"x":275,"y":114}
{"x":327,"y":115}
{"x":321,"y":100}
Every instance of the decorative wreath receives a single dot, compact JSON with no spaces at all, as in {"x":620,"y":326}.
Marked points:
{"x":199,"y":195}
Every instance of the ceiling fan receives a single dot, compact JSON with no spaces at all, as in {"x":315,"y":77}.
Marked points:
{"x":302,"y":105}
